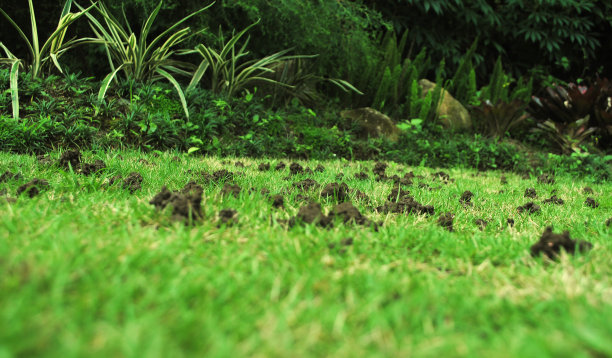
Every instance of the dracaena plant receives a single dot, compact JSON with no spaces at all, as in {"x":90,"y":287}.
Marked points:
{"x":41,"y":57}
{"x":495,"y":120}
{"x":135,"y":56}
{"x":231,"y":71}
{"x":567,"y":136}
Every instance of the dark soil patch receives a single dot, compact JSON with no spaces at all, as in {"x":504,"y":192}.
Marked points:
{"x":446,"y":221}
{"x":147,"y":163}
{"x":92,"y":168}
{"x":530,"y":208}
{"x":503,"y":180}
{"x":311,"y":213}
{"x":608,"y":221}
{"x":239,"y":164}
{"x":231,"y":189}
{"x":350,"y":214}
{"x":510,"y":222}
{"x":466,"y":198}
{"x":186,"y":203}
{"x":295,"y":168}
{"x":228,"y":217}
{"x":405,"y":205}
{"x":481,"y":223}
{"x":337,"y":191}
{"x":443,"y":177}
{"x":319,"y":168}
{"x":591,"y":203}
{"x":360,"y":195}
{"x":405,"y":180}
{"x":278,"y":201}
{"x":362,"y":176}
{"x":530,"y":193}
{"x":280,"y":166}
{"x":70,"y":158}
{"x":587,"y":190}
{"x":9,"y":176}
{"x":379,"y":169}
{"x":33,"y":187}
{"x":339,"y":176}
{"x":550,"y":244}
{"x":132,"y":182}
{"x":553,"y":200}
{"x":264,"y":167}
{"x":306,"y":184}
{"x":546,"y":179}
{"x":397,"y":194}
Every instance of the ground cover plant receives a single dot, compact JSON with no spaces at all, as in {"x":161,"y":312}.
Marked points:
{"x":121,"y":253}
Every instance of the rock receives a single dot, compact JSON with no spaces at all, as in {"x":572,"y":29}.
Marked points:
{"x":372,"y":123}
{"x":451,"y":113}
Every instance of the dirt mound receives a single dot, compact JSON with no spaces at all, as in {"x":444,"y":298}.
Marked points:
{"x":9,"y":176}
{"x":587,"y":190}
{"x":264,"y":167}
{"x":311,"y":213}
{"x":295,"y":168}
{"x":554,"y":200}
{"x":92,"y":168}
{"x":591,"y":203}
{"x":231,"y":189}
{"x":481,"y":223}
{"x":70,"y":158}
{"x":33,"y":187}
{"x":228,"y":217}
{"x":510,"y":222}
{"x":278,"y":201}
{"x":319,"y":168}
{"x":350,"y":214}
{"x":132,"y":182}
{"x":239,"y":164}
{"x":405,"y":205}
{"x":546,"y":179}
{"x":550,"y":244}
{"x":379,"y":169}
{"x":337,"y":191}
{"x":280,"y":166}
{"x":186,"y":203}
{"x":530,"y":193}
{"x":503,"y":180}
{"x":466,"y":198}
{"x":397,"y":194}
{"x":362,"y":176}
{"x":529,"y":207}
{"x":306,"y":184}
{"x":446,"y":221}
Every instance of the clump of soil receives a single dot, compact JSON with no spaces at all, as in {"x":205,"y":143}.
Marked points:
{"x":609,"y":221}
{"x":446,"y":221}
{"x":186,"y":203}
{"x":550,"y":244}
{"x":362,"y":176}
{"x":132,"y":182}
{"x":228,"y":217}
{"x":530,"y":208}
{"x":339,"y":176}
{"x":503,"y":180}
{"x":8,"y":176}
{"x":546,"y":179}
{"x":295,"y":168}
{"x":590,"y":202}
{"x":443,"y":177}
{"x":70,"y":158}
{"x":481,"y":223}
{"x":143,"y":161}
{"x":232,"y":189}
{"x":239,"y":164}
{"x":554,"y":200}
{"x":405,"y":180}
{"x":319,"y":168}
{"x":33,"y":187}
{"x":306,"y":184}
{"x":92,"y":168}
{"x":530,"y":193}
{"x":280,"y":166}
{"x":278,"y":201}
{"x":350,"y":214}
{"x":264,"y":167}
{"x":311,"y":213}
{"x":587,"y":190}
{"x":405,"y":205}
{"x":338,"y":191}
{"x":379,"y":169}
{"x":466,"y":198}
{"x":360,"y":195}
{"x":510,"y":222}
{"x":397,"y":194}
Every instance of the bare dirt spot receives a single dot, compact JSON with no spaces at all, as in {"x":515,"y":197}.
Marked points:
{"x":33,"y":187}
{"x":278,"y":201}
{"x":264,"y":167}
{"x":446,"y":221}
{"x":554,"y":200}
{"x":93,"y":168}
{"x":231,"y":189}
{"x":530,"y":193}
{"x":296,"y":168}
{"x":350,"y":214}
{"x":379,"y":169}
{"x":362,"y":176}
{"x":587,"y":190}
{"x":186,"y":203}
{"x":337,"y":191}
{"x":466,"y":198}
{"x":70,"y":158}
{"x":551,"y":244}
{"x":510,"y":222}
{"x":591,"y":203}
{"x":319,"y":168}
{"x":132,"y":182}
{"x":405,"y":205}
{"x":311,"y":213}
{"x":481,"y":223}
{"x":228,"y":217}
{"x":306,"y":184}
{"x":280,"y":166}
{"x":530,"y":208}
{"x":503,"y":180}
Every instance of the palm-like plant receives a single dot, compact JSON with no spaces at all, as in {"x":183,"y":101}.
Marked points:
{"x":41,"y":57}
{"x":135,"y":56}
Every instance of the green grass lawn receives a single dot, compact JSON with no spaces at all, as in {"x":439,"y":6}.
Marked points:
{"x":89,"y":269}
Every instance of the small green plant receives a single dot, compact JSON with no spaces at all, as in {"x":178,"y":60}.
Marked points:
{"x":495,"y":120}
{"x":139,"y":59}
{"x":568,"y":137}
